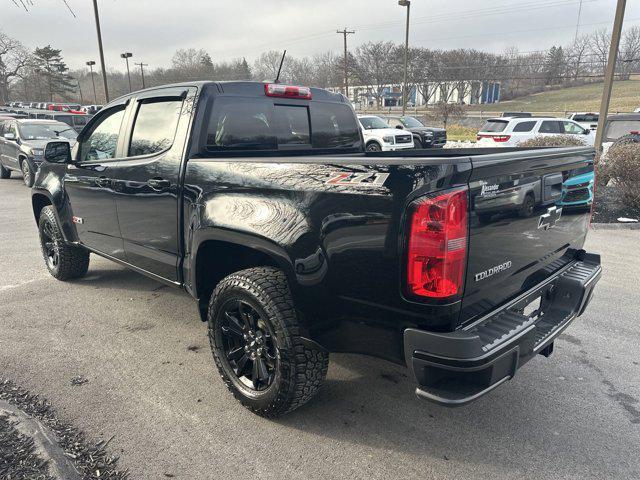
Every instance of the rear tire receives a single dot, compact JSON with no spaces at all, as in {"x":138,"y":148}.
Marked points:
{"x":256,"y":343}
{"x":4,"y":172}
{"x":27,"y":174}
{"x":64,"y":262}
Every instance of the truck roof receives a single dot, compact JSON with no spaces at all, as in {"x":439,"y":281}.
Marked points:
{"x":241,"y":87}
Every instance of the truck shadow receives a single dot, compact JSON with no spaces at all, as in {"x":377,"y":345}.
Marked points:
{"x":370,"y":402}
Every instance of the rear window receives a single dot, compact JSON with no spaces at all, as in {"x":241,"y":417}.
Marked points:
{"x":262,"y":124}
{"x":592,"y":117}
{"x":494,"y":126}
{"x":524,"y":126}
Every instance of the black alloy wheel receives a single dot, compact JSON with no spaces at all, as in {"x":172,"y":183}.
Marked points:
{"x":249,"y":344}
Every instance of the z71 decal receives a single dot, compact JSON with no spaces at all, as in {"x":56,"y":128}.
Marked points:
{"x":368,"y":179}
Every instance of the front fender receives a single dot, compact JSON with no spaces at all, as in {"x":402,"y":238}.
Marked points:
{"x":48,"y":188}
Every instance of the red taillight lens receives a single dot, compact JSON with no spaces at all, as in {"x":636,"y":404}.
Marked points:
{"x":501,"y":138}
{"x":287,"y":91}
{"x":437,"y":250}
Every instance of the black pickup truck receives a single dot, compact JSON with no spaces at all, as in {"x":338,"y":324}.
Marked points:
{"x":259,"y":201}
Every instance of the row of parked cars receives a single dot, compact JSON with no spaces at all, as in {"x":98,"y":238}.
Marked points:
{"x":511,"y":129}
{"x":381,"y":133}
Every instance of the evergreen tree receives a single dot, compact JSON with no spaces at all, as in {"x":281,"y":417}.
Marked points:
{"x":243,"y":71}
{"x":55,"y":73}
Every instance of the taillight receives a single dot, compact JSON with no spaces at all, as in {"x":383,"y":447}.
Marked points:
{"x":501,"y":138}
{"x":437,"y":248}
{"x":286,"y":91}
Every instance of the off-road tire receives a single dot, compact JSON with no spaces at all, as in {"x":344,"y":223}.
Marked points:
{"x":27,"y":173}
{"x":302,"y":364}
{"x":4,"y":172}
{"x":72,"y":262}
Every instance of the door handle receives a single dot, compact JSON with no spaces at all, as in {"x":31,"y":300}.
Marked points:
{"x":103,"y":181}
{"x":159,"y":183}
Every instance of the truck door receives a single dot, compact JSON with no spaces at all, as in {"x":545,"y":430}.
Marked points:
{"x":147,"y":181}
{"x":89,"y":184}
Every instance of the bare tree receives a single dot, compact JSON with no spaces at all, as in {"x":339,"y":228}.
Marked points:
{"x":14,"y":59}
{"x":376,"y":67}
{"x":447,"y":112}
{"x":629,"y":58}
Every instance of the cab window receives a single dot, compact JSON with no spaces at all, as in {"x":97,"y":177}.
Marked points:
{"x":573,"y":128}
{"x":102,"y":141}
{"x":155,"y":126}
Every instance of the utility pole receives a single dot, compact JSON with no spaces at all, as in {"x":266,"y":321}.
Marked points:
{"x":578,"y":22}
{"x":142,"y":65}
{"x":91,"y":63}
{"x":80,"y":89}
{"x":344,"y":33}
{"x":127,"y":56}
{"x":610,"y":71}
{"x":104,"y":70}
{"x":405,"y":3}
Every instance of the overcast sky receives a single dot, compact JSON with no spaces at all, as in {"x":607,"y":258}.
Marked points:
{"x":153,"y":30}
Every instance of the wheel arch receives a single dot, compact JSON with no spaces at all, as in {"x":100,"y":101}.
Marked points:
{"x":218,"y":254}
{"x":373,"y":140}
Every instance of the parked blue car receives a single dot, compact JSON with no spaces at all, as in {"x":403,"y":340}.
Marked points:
{"x":577,"y":188}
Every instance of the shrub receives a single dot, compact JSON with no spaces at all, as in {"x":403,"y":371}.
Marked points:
{"x":553,"y":141}
{"x":623,"y":166}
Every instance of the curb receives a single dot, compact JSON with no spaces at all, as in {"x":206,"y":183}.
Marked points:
{"x":616,"y":226}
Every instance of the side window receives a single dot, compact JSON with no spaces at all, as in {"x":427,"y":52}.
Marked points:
{"x":101,"y":143}
{"x":155,"y":126}
{"x":524,"y":127}
{"x":572,"y":128}
{"x":550,"y":126}
{"x":79,"y":121}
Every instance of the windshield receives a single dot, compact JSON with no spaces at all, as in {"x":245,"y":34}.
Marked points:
{"x":411,"y":122}
{"x":369,"y":123}
{"x":617,"y":128}
{"x":45,"y":131}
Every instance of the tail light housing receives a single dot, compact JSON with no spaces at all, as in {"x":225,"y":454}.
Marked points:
{"x":437,"y":246}
{"x":287,"y":91}
{"x":496,"y":138}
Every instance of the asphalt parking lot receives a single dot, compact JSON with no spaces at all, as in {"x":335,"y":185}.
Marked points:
{"x":152,"y":385}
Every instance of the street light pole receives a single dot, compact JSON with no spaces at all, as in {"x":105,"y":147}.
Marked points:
{"x":91,"y":63}
{"x":127,"y":56}
{"x":104,"y":70}
{"x":610,"y":71}
{"x":405,"y":3}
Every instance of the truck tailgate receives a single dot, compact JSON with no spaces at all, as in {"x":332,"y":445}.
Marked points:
{"x":519,"y":232}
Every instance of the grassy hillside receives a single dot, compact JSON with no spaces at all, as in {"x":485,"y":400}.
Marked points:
{"x":625,"y":98}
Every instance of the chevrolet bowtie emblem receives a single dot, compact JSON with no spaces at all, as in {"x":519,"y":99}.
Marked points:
{"x":549,"y":219}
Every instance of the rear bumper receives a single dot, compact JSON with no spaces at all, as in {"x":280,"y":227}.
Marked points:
{"x":455,"y":368}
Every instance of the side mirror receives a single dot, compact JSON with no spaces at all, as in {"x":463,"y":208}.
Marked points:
{"x":10,"y":136}
{"x":587,"y":131}
{"x":399,"y":127}
{"x":57,"y":152}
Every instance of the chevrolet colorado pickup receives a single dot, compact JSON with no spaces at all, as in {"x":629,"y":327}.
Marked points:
{"x":259,"y":200}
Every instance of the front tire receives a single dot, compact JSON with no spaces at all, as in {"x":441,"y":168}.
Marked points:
{"x":256,"y":343}
{"x":528,"y":206}
{"x":4,"y":172}
{"x":27,"y":174}
{"x":373,"y":147}
{"x":64,"y":262}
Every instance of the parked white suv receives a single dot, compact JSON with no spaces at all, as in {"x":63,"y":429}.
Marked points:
{"x":509,"y":132}
{"x":378,"y":137}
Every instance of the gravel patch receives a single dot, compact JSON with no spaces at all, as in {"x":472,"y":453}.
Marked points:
{"x":57,"y":447}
